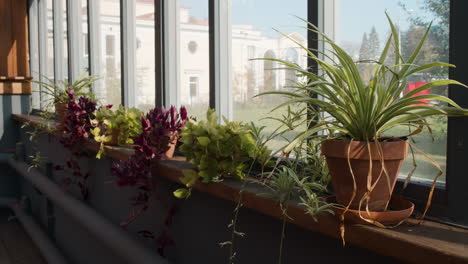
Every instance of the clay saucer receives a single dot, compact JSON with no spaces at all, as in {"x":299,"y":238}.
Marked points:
{"x":399,"y":210}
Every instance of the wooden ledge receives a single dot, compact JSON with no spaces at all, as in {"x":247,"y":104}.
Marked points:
{"x":428,"y":242}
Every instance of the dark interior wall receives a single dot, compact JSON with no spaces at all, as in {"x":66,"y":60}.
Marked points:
{"x":9,"y":135}
{"x":11,"y":104}
{"x":199,"y":225}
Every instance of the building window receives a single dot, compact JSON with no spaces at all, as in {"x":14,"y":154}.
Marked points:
{"x":86,"y":44}
{"x":291,"y":56}
{"x":192,"y":47}
{"x":110,"y":45}
{"x":193,"y":87}
{"x":269,"y":73}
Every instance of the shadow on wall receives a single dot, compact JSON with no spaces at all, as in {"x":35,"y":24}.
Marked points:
{"x":11,"y":104}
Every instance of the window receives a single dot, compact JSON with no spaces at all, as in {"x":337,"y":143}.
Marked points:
{"x":194,"y":68}
{"x":253,"y":36}
{"x":110,"y":45}
{"x":145,"y":55}
{"x":84,"y":37}
{"x":269,"y":74}
{"x":109,"y":88}
{"x":86,"y":45}
{"x":63,"y":66}
{"x":193,"y":84}
{"x":194,"y":56}
{"x":192,"y":46}
{"x":364,"y":38}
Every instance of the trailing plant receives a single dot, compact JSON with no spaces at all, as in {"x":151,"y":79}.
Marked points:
{"x":298,"y":179}
{"x":118,"y":126}
{"x":136,"y":172}
{"x":77,"y":128}
{"x":217,"y":151}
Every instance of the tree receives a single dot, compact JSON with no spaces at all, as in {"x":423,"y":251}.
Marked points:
{"x":374,"y":44}
{"x":437,"y":43}
{"x":365,"y":49}
{"x":365,"y":68}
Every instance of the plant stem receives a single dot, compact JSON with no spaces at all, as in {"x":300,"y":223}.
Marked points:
{"x":283,"y":235}
{"x":234,"y":222}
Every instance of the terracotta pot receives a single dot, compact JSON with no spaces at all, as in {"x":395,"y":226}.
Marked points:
{"x":399,"y":210}
{"x":61,"y":110}
{"x":336,"y":153}
{"x":172,"y":138}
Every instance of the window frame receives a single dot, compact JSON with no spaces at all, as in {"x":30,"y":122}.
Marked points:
{"x":448,"y":196}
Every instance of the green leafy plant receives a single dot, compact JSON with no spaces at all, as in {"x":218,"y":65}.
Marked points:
{"x":217,"y":151}
{"x":57,"y":91}
{"x":118,"y":126}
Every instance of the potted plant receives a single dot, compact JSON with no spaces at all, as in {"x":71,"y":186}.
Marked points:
{"x":355,"y":114}
{"x":116,"y":127}
{"x":217,"y":151}
{"x":57,"y":93}
{"x":161,"y":128}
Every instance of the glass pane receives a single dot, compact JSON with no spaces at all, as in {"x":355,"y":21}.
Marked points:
{"x":145,"y":57}
{"x":364,"y":37}
{"x":48,"y":70}
{"x":50,"y":41}
{"x":109,"y":87}
{"x":84,"y":37}
{"x":65,"y":41}
{"x":194,"y":57}
{"x":254,"y":35}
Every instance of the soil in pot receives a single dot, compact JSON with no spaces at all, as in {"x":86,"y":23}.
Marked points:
{"x":336,"y":153}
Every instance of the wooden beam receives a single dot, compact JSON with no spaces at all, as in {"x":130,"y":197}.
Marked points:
{"x":14,"y":50}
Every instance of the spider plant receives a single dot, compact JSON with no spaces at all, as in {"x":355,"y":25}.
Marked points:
{"x":56,"y":91}
{"x":354,"y":109}
{"x":360,"y":110}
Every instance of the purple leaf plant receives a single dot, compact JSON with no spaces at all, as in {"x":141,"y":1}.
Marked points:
{"x":159,"y":127}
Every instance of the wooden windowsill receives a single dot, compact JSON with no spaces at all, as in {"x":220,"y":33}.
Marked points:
{"x":413,"y":242}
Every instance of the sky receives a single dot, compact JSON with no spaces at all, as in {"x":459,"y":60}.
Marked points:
{"x":353,"y":17}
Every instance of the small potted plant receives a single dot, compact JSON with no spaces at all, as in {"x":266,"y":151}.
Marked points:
{"x":116,"y":127}
{"x":217,"y":151}
{"x":57,"y":93}
{"x":161,"y":128}
{"x":355,"y":114}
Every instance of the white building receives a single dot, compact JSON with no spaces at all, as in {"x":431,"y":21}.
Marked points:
{"x":248,"y":77}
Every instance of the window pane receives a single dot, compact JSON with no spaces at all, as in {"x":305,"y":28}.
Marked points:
{"x":253,"y":36}
{"x":65,"y":40}
{"x":145,"y":56}
{"x":109,"y":88}
{"x":84,"y":37}
{"x":194,"y":57}
{"x":50,"y":41}
{"x":47,"y":68}
{"x":364,"y":37}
